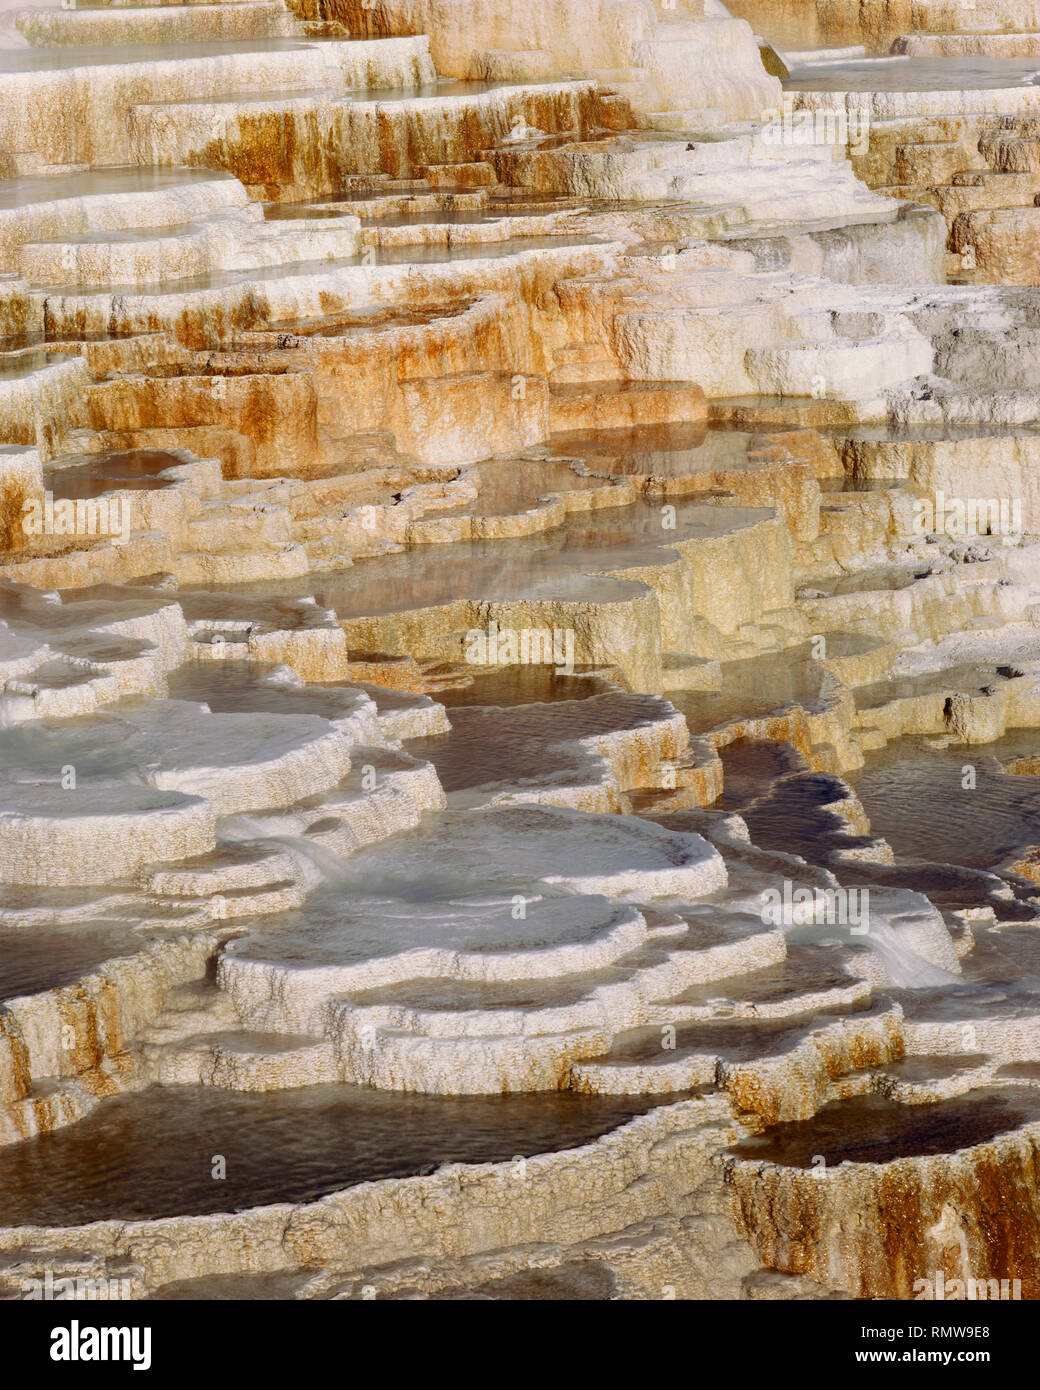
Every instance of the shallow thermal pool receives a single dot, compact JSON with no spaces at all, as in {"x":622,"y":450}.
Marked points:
{"x":150,"y":1154}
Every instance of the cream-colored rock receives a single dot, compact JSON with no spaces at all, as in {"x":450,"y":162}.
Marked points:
{"x":499,"y":557}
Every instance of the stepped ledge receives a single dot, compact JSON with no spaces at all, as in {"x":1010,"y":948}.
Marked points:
{"x":520,"y":649}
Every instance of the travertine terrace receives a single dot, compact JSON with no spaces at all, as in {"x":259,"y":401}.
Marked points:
{"x":520,"y":648}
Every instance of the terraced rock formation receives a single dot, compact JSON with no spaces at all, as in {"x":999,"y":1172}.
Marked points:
{"x":519,"y":650}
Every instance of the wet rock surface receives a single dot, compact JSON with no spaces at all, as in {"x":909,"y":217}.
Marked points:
{"x":519,"y":702}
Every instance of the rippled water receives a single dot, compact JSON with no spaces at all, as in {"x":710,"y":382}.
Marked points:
{"x":522,"y":685}
{"x":486,"y":747}
{"x":666,"y":451}
{"x":758,"y":686}
{"x":873,"y":1129}
{"x":37,"y":958}
{"x":130,"y":179}
{"x":900,"y":74}
{"x":83,"y":55}
{"x":563,"y":563}
{"x":151,"y":1154}
{"x":915,"y":797}
{"x":85,"y":476}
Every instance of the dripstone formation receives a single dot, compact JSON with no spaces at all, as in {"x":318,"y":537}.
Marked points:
{"x":520,"y":648}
